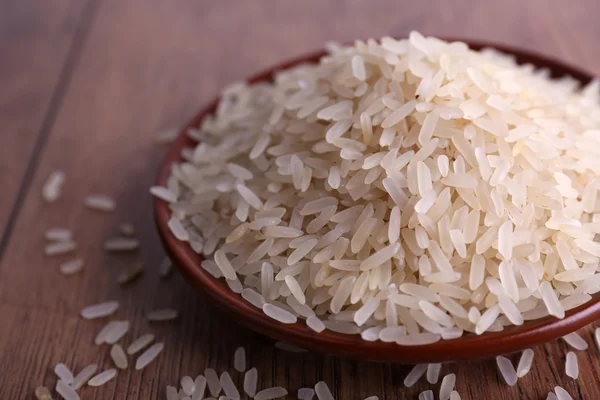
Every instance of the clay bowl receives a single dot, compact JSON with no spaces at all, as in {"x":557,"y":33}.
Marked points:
{"x":468,"y":347}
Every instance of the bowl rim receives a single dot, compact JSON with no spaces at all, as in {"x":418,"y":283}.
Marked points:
{"x":468,"y":347}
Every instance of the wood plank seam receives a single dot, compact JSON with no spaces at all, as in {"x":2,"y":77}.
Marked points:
{"x":60,"y":90}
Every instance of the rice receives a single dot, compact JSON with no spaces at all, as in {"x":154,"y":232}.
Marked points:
{"x":454,"y":395}
{"x":102,"y":334}
{"x":426,"y":395}
{"x":121,"y":244}
{"x":429,"y":168}
{"x":118,"y":356}
{"x":575,"y":341}
{"x":52,"y":187}
{"x":447,"y":386}
{"x":66,"y":391}
{"x":212,"y":379}
{"x":163,"y":314}
{"x":415,"y":374}
{"x":322,"y":391}
{"x":42,"y":393}
{"x":148,"y":356}
{"x":199,"y":387}
{"x":58,"y":234}
{"x":229,"y":387}
{"x":102,"y":377}
{"x":305,"y":393}
{"x":171,"y":392}
{"x":130,"y":273}
{"x":279,"y":314}
{"x":270,"y":393}
{"x":562,"y":394}
{"x":525,"y":363}
{"x":63,"y":373}
{"x":166,"y":136}
{"x":84,"y":376}
{"x":418,"y":339}
{"x":60,"y":248}
{"x":433,"y":372}
{"x":507,"y":370}
{"x":100,"y":202}
{"x":99,"y":310}
{"x":165,"y":268}
{"x":250,"y":381}
{"x":117,"y":331}
{"x":571,"y":365}
{"x":163,"y":194}
{"x":239,"y":359}
{"x":71,"y":267}
{"x":127,"y":229}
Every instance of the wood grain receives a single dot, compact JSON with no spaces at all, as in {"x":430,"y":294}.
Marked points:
{"x":39,"y":42}
{"x":149,"y":65}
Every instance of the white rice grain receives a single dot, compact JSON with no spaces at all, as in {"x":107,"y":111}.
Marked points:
{"x":121,"y":244}
{"x":149,"y":355}
{"x":447,"y":386}
{"x":271,"y":393}
{"x":229,"y":387}
{"x":58,"y":234}
{"x":433,"y":372}
{"x":507,"y":370}
{"x":71,"y":267}
{"x":59,"y":248}
{"x":239,"y":359}
{"x":575,"y":341}
{"x":99,"y":310}
{"x":323,"y":392}
{"x":102,"y":377}
{"x":250,"y":381}
{"x":53,"y":186}
{"x":84,"y":376}
{"x":100,"y":202}
{"x":562,"y":394}
{"x":66,"y":391}
{"x":306,"y":393}
{"x":63,"y":373}
{"x":117,"y":331}
{"x":525,"y":363}
{"x":118,"y":356}
{"x":139,"y":343}
{"x":163,"y":314}
{"x":571,"y":366}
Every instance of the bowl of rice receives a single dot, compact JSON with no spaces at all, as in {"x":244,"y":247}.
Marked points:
{"x":404,"y":200}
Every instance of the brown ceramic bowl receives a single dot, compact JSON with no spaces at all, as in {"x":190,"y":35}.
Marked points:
{"x":468,"y":347}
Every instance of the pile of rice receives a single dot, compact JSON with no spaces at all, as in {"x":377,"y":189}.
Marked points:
{"x":407,"y":190}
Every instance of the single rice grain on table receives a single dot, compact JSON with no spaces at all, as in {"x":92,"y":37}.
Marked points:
{"x":116,"y":332}
{"x":53,"y":186}
{"x":102,"y":377}
{"x":139,"y":343}
{"x":84,"y":376}
{"x":99,"y":310}
{"x":199,"y":387}
{"x":148,"y":356}
{"x":250,"y":381}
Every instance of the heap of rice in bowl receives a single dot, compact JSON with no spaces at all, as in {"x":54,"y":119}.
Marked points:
{"x":407,"y":190}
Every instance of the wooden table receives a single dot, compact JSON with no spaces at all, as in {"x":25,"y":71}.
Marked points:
{"x":85,"y":86}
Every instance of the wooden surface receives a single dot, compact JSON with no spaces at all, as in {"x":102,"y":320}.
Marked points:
{"x":85,"y":85}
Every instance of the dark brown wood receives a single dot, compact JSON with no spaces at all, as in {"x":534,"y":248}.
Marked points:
{"x":39,"y":42}
{"x":469,"y":347}
{"x":150,"y":65}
